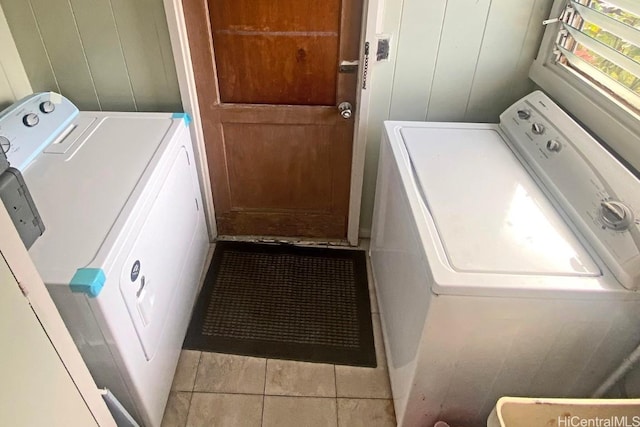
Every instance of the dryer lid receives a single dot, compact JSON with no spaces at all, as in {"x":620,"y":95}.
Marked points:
{"x":490,"y":214}
{"x":83,"y":189}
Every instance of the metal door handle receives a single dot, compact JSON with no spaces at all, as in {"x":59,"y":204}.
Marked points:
{"x":345,"y":110}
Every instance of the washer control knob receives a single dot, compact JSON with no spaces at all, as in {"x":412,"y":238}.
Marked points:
{"x":30,"y":120}
{"x":47,"y":107}
{"x":537,"y":128}
{"x":554,"y":145}
{"x":5,"y":144}
{"x":616,"y":215}
{"x":524,"y":114}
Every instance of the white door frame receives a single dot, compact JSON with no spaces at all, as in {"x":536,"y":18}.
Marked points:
{"x":23,"y":269}
{"x":189,"y":95}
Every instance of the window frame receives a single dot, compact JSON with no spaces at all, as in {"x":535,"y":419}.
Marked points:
{"x":614,"y":123}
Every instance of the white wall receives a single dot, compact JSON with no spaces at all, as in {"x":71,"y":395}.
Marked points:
{"x":13,"y":79}
{"x":451,"y":60}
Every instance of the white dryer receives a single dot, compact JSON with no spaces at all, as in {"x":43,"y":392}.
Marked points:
{"x":125,"y":240}
{"x":506,"y":261}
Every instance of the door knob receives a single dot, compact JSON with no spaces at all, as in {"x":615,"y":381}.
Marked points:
{"x":345,"y":110}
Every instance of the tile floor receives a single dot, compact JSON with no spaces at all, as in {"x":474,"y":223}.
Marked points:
{"x":212,"y":389}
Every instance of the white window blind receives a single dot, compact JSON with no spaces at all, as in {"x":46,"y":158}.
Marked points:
{"x":600,"y":41}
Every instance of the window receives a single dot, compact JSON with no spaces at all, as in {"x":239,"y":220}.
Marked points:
{"x":590,"y":62}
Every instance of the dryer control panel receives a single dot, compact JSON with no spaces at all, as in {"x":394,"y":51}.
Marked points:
{"x":599,"y":195}
{"x":31,"y":124}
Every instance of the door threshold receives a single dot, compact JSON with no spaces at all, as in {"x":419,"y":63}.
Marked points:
{"x":296,"y":241}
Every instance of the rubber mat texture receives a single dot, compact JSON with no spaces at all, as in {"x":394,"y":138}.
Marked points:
{"x":285,"y":302}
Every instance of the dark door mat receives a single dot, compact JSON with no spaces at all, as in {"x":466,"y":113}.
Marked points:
{"x":285,"y":302}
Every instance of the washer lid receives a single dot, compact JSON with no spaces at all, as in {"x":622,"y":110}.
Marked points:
{"x":82,"y":189}
{"x":490,"y":214}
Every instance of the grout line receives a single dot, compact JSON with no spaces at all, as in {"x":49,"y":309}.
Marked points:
{"x":264,"y":390}
{"x":193,"y":386}
{"x":186,"y":421}
{"x":231,"y":392}
{"x":364,"y":398}
{"x":335,"y":382}
{"x":300,"y":397}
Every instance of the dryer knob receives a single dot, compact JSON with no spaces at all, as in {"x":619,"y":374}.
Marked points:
{"x":616,"y":215}
{"x":47,"y":107}
{"x":30,"y":120}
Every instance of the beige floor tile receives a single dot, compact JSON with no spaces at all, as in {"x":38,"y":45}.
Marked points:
{"x":362,"y":382}
{"x":175,"y":414}
{"x":185,"y":375}
{"x":289,"y":378}
{"x":281,"y":411}
{"x":366,"y":413}
{"x":366,"y":382}
{"x":227,"y":373}
{"x":225,"y":410}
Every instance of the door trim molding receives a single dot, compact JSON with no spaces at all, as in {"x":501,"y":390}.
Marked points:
{"x":17,"y":258}
{"x":372,"y":15}
{"x":189,"y":96}
{"x":186,"y":81}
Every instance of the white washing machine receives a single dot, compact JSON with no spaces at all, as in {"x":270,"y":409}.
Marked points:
{"x":506,"y":261}
{"x":125,"y":239}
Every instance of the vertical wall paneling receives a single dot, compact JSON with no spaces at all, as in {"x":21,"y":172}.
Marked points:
{"x":520,"y":83}
{"x":27,"y":37}
{"x":14,"y":83}
{"x":460,"y":43}
{"x":64,"y":48}
{"x":151,"y":69}
{"x":171,"y":96}
{"x":457,"y":60}
{"x":501,"y":51}
{"x":101,"y":45}
{"x":101,"y":54}
{"x":6,"y":93}
{"x":418,"y":44}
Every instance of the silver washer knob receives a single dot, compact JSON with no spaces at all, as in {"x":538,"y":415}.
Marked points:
{"x":30,"y":120}
{"x":616,"y":215}
{"x":5,"y":144}
{"x":47,"y":107}
{"x":537,"y":128}
{"x":554,"y":145}
{"x":524,"y":114}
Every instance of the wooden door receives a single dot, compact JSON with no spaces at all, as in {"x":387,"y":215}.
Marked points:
{"x":269,"y":81}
